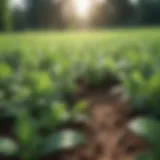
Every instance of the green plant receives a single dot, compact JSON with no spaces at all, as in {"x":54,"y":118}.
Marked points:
{"x":149,"y":129}
{"x":38,"y":73}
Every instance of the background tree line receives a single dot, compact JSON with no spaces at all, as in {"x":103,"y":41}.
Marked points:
{"x":48,"y":14}
{"x":5,"y":16}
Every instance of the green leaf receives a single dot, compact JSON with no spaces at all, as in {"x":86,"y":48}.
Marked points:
{"x":44,"y":82}
{"x":79,"y":107}
{"x":59,"y":113}
{"x":40,"y":81}
{"x":63,"y":140}
{"x":5,"y":70}
{"x":8,"y":147}
{"x":137,"y":77}
{"x":25,"y":128}
{"x":147,"y":128}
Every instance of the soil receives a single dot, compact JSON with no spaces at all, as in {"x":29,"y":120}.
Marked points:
{"x":108,"y":135}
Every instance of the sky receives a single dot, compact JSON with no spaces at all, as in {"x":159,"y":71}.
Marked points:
{"x":17,"y":3}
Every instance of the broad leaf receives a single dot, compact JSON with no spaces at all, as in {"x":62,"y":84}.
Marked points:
{"x":25,"y":127}
{"x":8,"y":147}
{"x":63,"y":140}
{"x":150,"y":130}
{"x":147,"y":128}
{"x":59,"y":113}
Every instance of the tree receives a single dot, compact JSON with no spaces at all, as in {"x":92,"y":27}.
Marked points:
{"x":45,"y":13}
{"x":5,"y":16}
{"x":19,"y":18}
{"x":33,"y":17}
{"x":112,"y":13}
{"x":149,"y":11}
{"x":119,"y":12}
{"x":51,"y":14}
{"x":99,"y":14}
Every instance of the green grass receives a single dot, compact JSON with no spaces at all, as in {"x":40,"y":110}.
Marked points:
{"x":41,"y":40}
{"x":38,"y":71}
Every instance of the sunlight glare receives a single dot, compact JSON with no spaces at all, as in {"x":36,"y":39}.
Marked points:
{"x":82,"y":7}
{"x":134,"y":2}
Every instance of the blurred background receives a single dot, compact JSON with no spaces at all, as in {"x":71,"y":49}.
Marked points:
{"x":68,"y":14}
{"x":43,"y":51}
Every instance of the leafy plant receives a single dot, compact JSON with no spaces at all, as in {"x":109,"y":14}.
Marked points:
{"x":62,"y":141}
{"x":148,"y":129}
{"x":8,"y":147}
{"x":38,"y":70}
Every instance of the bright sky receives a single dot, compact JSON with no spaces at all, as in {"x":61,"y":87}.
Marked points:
{"x":82,"y":7}
{"x":17,"y":2}
{"x":134,"y":1}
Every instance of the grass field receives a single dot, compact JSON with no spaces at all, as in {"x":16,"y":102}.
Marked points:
{"x":50,"y":40}
{"x":38,"y":69}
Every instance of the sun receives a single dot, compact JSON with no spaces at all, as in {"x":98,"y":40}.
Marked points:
{"x":82,"y":7}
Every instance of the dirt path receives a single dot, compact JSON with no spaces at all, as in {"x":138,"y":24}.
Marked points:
{"x":108,"y":135}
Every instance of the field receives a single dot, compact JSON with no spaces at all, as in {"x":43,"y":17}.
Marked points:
{"x":38,"y":71}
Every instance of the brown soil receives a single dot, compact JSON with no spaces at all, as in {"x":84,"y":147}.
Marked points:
{"x":107,"y":132}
